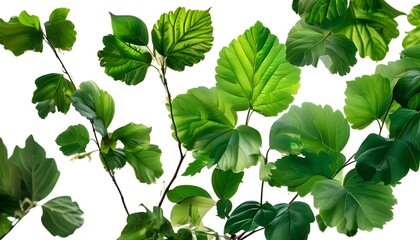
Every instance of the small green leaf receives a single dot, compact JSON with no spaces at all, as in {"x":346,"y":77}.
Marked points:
{"x":367,"y":99}
{"x":191,"y":211}
{"x":123,"y":61}
{"x":39,"y":174}
{"x":293,"y":222}
{"x":21,"y":34}
{"x":407,"y":90}
{"x":321,"y":223}
{"x":254,"y":74}
{"x":412,"y":38}
{"x":201,"y":160}
{"x":94,"y":104}
{"x":60,"y":31}
{"x":146,"y":163}
{"x":73,"y":140}
{"x":224,"y":206}
{"x":182,"y":192}
{"x":130,"y":29}
{"x":183,"y":234}
{"x":414,"y":16}
{"x":135,"y":137}
{"x":61,"y":216}
{"x":353,"y":205}
{"x":225,"y":183}
{"x":183,"y":37}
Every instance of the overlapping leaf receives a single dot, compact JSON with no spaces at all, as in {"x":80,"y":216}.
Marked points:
{"x":307,"y":44}
{"x":405,"y":124}
{"x":73,"y":140}
{"x":61,"y":216}
{"x":353,"y":205}
{"x":135,"y":137}
{"x":146,"y":163}
{"x":407,"y":90}
{"x":413,"y":36}
{"x":113,"y":158}
{"x":60,"y":31}
{"x":322,"y":12}
{"x":367,"y":99}
{"x":130,"y":29}
{"x":225,"y":183}
{"x":10,"y":179}
{"x":183,"y":37}
{"x":254,"y":73}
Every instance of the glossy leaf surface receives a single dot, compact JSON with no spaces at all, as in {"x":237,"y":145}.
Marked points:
{"x":73,"y":140}
{"x":407,"y":90}
{"x":146,"y":163}
{"x":130,"y":29}
{"x":225,"y":183}
{"x":60,"y":31}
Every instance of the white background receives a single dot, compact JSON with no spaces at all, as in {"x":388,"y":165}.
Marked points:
{"x":87,"y":182}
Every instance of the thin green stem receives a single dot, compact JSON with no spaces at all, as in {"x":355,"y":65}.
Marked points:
{"x":293,"y":199}
{"x":381,"y":126}
{"x":263,"y":182}
{"x":243,"y":236}
{"x":348,"y":162}
{"x":248,"y":116}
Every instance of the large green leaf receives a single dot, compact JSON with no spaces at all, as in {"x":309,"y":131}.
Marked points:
{"x":306,"y":44}
{"x":225,"y":183}
{"x":60,"y":31}
{"x":183,"y":37}
{"x":254,"y":73}
{"x":367,"y":99}
{"x":73,"y":140}
{"x":250,"y":215}
{"x":310,"y":127}
{"x":200,"y":113}
{"x":123,"y":61}
{"x":94,"y":104}
{"x":146,"y":163}
{"x":135,"y":137}
{"x":293,"y":222}
{"x":130,"y":29}
{"x":322,"y":12}
{"x":10,"y":178}
{"x":21,"y":34}
{"x":39,"y":174}
{"x":147,"y":225}
{"x":61,"y":216}
{"x":52,"y":91}
{"x":300,"y":174}
{"x":353,"y":205}
{"x":407,"y":90}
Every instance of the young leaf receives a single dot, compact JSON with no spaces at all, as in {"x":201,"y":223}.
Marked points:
{"x":183,"y":37}
{"x":130,"y":29}
{"x":306,"y":44}
{"x":201,"y":160}
{"x":407,"y":90}
{"x":182,"y":192}
{"x":60,"y":31}
{"x":323,"y":13}
{"x":21,"y":34}
{"x":39,"y":174}
{"x":367,"y":99}
{"x":191,"y":211}
{"x":61,"y":216}
{"x":310,"y":127}
{"x":73,"y":140}
{"x":123,"y":61}
{"x":135,"y":137}
{"x":52,"y":91}
{"x":250,"y":215}
{"x":254,"y":73}
{"x":225,"y":183}
{"x":354,"y":205}
{"x":146,"y":163}
{"x":94,"y":104}
{"x":293,"y":222}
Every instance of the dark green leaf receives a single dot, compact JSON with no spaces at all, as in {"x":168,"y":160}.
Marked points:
{"x":61,"y":216}
{"x":367,"y":99}
{"x":182,"y":192}
{"x":5,"y":224}
{"x":183,"y":37}
{"x":73,"y":140}
{"x":21,"y":34}
{"x":183,"y":234}
{"x":94,"y":104}
{"x":10,"y":178}
{"x":130,"y":29}
{"x":52,"y":91}
{"x":306,"y":44}
{"x":225,"y":183}
{"x":353,"y":205}
{"x":60,"y":31}
{"x":310,"y":127}
{"x":124,"y":62}
{"x":39,"y":174}
{"x":254,"y":74}
{"x":113,"y":159}
{"x":224,"y":206}
{"x":407,"y":90}
{"x":191,"y":211}
{"x":321,"y":223}
{"x":146,"y":163}
{"x":201,"y":160}
{"x":324,"y":13}
{"x":135,"y":137}
{"x":405,"y":125}
{"x":295,"y":5}
{"x":293,"y":222}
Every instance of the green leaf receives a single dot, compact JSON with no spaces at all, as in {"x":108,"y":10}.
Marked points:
{"x":250,"y":215}
{"x":367,"y":99}
{"x":5,"y":224}
{"x":39,"y":174}
{"x":146,"y":163}
{"x":183,"y":234}
{"x":306,"y":44}
{"x":295,"y":5}
{"x":224,"y":206}
{"x":225,"y":183}
{"x":60,"y":31}
{"x":354,"y":205}
{"x":123,"y":61}
{"x":321,"y":223}
{"x":412,"y":38}
{"x":147,"y":225}
{"x":73,"y":140}
{"x":130,"y":29}
{"x":21,"y":34}
{"x":94,"y":104}
{"x":135,"y":137}
{"x":404,"y":125}
{"x":182,"y":192}
{"x":310,"y":127}
{"x":61,"y":216}
{"x":191,"y":211}
{"x":200,"y":113}
{"x":10,"y":179}
{"x":414,"y":16}
{"x":301,"y":174}
{"x":407,"y":90}
{"x":324,"y":13}
{"x":183,"y":37}
{"x":113,"y":159}
{"x":201,"y":160}
{"x":52,"y":91}
{"x":293,"y":222}
{"x":254,"y":73}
